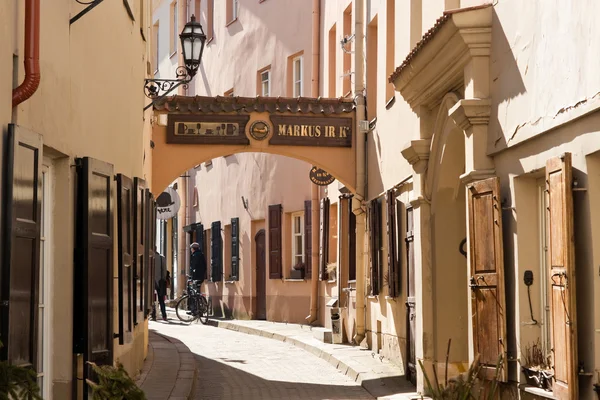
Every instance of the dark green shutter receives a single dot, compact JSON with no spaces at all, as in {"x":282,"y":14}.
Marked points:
{"x":20,"y":270}
{"x":275,"y":271}
{"x":324,"y":239}
{"x":216,"y":253}
{"x":235,"y":249}
{"x":139,"y":248}
{"x":125,"y":256}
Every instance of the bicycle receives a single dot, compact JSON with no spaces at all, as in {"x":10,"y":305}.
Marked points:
{"x":192,"y":305}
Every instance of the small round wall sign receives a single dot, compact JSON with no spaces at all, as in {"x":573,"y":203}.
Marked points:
{"x":167,"y":204}
{"x":259,"y":130}
{"x":320,"y":177}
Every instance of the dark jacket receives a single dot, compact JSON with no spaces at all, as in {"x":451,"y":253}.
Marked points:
{"x":198,"y":266}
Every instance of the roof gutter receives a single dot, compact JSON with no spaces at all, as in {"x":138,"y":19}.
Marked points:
{"x":32,"y":54}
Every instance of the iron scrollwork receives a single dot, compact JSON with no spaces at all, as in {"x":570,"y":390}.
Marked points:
{"x":156,"y":88}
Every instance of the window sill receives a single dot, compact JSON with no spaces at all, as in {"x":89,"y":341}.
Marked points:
{"x":352,"y":281}
{"x":332,"y":281}
{"x":231,"y":22}
{"x":539,"y":392}
{"x":173,"y":53}
{"x":372,"y":297}
{"x":390,"y":298}
{"x":231,"y":281}
{"x":294,"y":280}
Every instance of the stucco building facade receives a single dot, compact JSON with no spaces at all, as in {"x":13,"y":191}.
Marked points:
{"x":72,"y":121}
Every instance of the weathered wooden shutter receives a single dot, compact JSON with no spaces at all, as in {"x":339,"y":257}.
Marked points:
{"x":411,"y":311}
{"x":93,"y":300}
{"x":308,"y":238}
{"x":324,"y":239}
{"x":390,"y":199}
{"x":275,"y":241}
{"x":125,"y":256}
{"x":20,"y":270}
{"x":375,"y":230}
{"x":351,"y":242}
{"x":487,"y":276}
{"x":140,"y":254}
{"x":216,"y":252}
{"x":148,"y":275}
{"x":235,"y":249}
{"x":562,"y":276}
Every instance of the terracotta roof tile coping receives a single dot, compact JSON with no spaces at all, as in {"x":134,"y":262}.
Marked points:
{"x":210,"y":105}
{"x":429,"y":35}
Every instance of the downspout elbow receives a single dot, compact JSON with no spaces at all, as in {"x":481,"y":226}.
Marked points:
{"x":32,"y":54}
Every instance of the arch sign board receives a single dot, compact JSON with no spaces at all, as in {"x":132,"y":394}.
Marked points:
{"x":167,"y":204}
{"x":320,"y":177}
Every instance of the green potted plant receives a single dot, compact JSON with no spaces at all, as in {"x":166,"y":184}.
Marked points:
{"x":113,"y":383}
{"x":537,"y":367}
{"x":18,"y":383}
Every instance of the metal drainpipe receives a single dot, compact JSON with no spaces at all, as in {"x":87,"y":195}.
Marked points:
{"x":32,"y":54}
{"x":314,"y":189}
{"x":358,"y":199}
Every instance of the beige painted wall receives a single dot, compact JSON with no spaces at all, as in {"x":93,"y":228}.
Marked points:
{"x":89,"y":103}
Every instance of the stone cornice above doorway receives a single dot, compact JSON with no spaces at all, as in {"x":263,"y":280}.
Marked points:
{"x":469,"y":112}
{"x":416,"y":152}
{"x":436,"y":65}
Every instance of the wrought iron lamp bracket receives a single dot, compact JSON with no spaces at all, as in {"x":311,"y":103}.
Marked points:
{"x":156,"y":89}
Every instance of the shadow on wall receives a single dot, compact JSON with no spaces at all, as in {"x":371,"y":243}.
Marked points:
{"x":507,"y":82}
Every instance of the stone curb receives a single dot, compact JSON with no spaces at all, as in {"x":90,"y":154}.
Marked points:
{"x":359,"y":375}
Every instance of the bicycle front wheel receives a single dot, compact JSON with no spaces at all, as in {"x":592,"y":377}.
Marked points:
{"x":186,"y":309}
{"x":203,"y":310}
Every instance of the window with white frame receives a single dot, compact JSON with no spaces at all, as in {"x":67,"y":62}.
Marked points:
{"x":297,"y":238}
{"x":297,"y":68}
{"x":234,"y":10}
{"x":174,"y":31}
{"x":265,"y":82}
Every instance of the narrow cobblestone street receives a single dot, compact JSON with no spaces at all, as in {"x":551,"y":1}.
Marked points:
{"x":233,"y":365}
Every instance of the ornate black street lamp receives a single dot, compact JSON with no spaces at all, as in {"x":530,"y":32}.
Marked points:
{"x":192,"y":42}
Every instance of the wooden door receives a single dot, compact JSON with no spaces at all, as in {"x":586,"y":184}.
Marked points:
{"x":140,"y":254}
{"x":261,"y":275}
{"x":488,"y":321}
{"x":125,"y":257}
{"x":93,"y":298}
{"x":21,"y":266}
{"x":411,"y":312}
{"x":562,"y":276}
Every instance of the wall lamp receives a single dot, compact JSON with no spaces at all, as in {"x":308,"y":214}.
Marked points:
{"x":192,"y":42}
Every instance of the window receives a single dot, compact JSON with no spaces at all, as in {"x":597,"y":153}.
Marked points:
{"x":265,"y":82}
{"x":297,"y":238}
{"x":156,"y":47}
{"x":210,"y":20}
{"x":232,"y":11}
{"x":296,"y":75}
{"x":174,"y":30}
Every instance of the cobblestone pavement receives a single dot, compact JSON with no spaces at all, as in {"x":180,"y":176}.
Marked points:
{"x":234,"y":365}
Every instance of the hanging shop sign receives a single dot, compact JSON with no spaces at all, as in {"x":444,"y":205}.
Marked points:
{"x":167,"y":204}
{"x":207,"y":129}
{"x":320,"y":177}
{"x":311,"y":131}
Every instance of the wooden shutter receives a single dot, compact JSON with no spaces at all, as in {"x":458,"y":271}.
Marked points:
{"x":275,"y":241}
{"x":148,"y":275}
{"x":125,"y":256}
{"x":140,"y":254}
{"x":487,"y":276}
{"x":216,"y":252}
{"x":235,"y":249}
{"x":93,"y":300}
{"x":20,"y":270}
{"x":375,"y":230}
{"x":352,"y":242}
{"x":390,"y":199}
{"x":562,"y":276}
{"x":308,"y":238}
{"x":324,"y":239}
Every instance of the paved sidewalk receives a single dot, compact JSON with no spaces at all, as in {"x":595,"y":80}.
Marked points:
{"x":382,"y":379}
{"x":169,"y":371}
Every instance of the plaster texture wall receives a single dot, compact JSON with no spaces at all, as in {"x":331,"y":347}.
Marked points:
{"x":89,"y":103}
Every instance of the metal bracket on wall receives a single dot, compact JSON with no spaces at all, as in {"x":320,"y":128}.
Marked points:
{"x":90,"y":6}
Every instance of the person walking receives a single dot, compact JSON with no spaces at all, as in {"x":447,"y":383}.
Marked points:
{"x":169,"y":285}
{"x":197,"y":264}
{"x":160,"y":282}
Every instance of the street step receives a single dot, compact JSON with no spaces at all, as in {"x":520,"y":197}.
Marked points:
{"x":322,"y":334}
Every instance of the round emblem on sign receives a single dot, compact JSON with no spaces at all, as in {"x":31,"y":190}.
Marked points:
{"x":320,"y":177}
{"x":167,"y":204}
{"x":259,"y":130}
